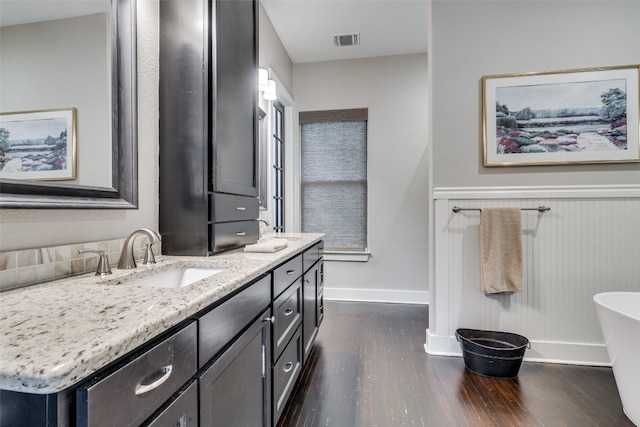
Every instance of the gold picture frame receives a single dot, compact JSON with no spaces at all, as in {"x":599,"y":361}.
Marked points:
{"x":38,"y":145}
{"x":579,"y":116}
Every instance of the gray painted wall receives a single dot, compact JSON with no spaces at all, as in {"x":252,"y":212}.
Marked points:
{"x":273,"y":54}
{"x":394,"y":89}
{"x":475,"y":38}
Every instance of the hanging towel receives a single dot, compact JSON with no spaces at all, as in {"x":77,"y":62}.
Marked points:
{"x":501,"y":250}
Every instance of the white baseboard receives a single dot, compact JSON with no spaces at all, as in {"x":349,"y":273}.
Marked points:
{"x":540,"y":351}
{"x":376,"y":295}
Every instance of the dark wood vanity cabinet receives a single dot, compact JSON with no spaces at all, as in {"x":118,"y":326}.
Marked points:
{"x":296,"y":304}
{"x":208,"y":125}
{"x":234,"y":363}
{"x":287,"y":347}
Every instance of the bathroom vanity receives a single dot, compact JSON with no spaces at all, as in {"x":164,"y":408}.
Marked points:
{"x":125,"y":350}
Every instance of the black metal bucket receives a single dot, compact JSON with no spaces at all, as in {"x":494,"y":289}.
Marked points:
{"x":492,"y":354}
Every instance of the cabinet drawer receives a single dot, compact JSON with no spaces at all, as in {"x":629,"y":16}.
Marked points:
{"x":132,"y":393}
{"x":219,"y":326}
{"x":285,"y":373}
{"x":229,"y":235}
{"x":182,"y":412}
{"x":310,"y":257}
{"x":230,"y":207}
{"x":287,"y":310}
{"x":286,"y":274}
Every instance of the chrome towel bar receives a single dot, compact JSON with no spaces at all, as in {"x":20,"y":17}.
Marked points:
{"x":541,"y":209}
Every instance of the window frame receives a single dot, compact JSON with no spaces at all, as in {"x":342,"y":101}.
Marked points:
{"x":342,"y":115}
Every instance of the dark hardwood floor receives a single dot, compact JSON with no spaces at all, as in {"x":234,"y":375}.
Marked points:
{"x":369,"y":368}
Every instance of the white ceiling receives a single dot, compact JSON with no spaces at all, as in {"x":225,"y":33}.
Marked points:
{"x":386,"y":27}
{"x":306,"y":27}
{"x":14,"y":12}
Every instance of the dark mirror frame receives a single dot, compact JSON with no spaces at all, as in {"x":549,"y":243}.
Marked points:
{"x":123,"y":194}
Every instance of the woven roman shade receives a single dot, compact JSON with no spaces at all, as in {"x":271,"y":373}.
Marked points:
{"x":334,"y":177}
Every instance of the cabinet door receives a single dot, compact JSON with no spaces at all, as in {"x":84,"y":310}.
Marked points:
{"x":320,"y":287}
{"x":235,"y":390}
{"x":310,"y":295}
{"x":236,"y":92}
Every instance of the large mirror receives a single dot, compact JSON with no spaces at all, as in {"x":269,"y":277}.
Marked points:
{"x":79,"y":72}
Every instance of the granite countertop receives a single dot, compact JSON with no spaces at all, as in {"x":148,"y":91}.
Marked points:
{"x":55,"y":334}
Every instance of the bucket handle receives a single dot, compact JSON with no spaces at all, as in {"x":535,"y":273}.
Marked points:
{"x":528,"y":342}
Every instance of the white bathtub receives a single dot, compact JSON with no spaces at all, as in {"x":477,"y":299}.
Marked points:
{"x":619,"y":315}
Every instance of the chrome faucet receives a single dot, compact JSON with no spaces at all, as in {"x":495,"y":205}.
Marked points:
{"x":266,"y":223}
{"x":127,"y":260}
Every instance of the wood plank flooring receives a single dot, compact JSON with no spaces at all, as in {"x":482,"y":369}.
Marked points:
{"x":369,"y":369}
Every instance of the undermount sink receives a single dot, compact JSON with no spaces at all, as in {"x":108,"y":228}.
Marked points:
{"x":176,"y":278}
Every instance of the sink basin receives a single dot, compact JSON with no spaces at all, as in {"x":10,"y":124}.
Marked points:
{"x":176,"y":278}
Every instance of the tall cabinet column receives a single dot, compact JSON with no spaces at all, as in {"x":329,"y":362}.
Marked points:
{"x":208,"y":125}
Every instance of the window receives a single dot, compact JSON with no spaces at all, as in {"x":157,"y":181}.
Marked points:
{"x":278,"y":167}
{"x":334,"y":177}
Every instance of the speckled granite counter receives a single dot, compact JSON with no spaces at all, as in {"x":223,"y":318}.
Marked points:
{"x":55,"y":334}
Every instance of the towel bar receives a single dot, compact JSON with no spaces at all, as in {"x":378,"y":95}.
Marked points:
{"x":541,"y":209}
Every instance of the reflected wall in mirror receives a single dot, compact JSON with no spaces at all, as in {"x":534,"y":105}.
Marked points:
{"x":61,"y":54}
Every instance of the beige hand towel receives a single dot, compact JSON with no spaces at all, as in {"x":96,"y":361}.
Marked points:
{"x":267,"y":245}
{"x":501,"y":250}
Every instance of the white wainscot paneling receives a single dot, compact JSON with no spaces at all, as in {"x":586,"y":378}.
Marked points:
{"x":586,"y":244}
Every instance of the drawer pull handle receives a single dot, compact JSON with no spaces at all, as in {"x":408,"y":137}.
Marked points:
{"x":241,"y":233}
{"x":288,"y":311}
{"x":288,"y":367}
{"x":290,"y":272}
{"x":271,"y":319}
{"x":241,"y":208}
{"x":154,"y":380}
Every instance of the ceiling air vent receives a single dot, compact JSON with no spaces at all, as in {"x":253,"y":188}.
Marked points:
{"x":347,"y":40}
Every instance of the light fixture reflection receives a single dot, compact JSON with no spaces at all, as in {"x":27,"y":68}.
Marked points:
{"x":263,"y":77}
{"x":270,"y":92}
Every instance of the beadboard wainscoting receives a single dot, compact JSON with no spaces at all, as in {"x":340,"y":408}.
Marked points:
{"x":587,"y":243}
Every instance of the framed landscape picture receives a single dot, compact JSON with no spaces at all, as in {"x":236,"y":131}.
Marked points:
{"x":38,"y":145}
{"x":561,"y":117}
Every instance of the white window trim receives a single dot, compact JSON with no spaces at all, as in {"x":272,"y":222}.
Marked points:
{"x":329,"y":255}
{"x":346,"y":256}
